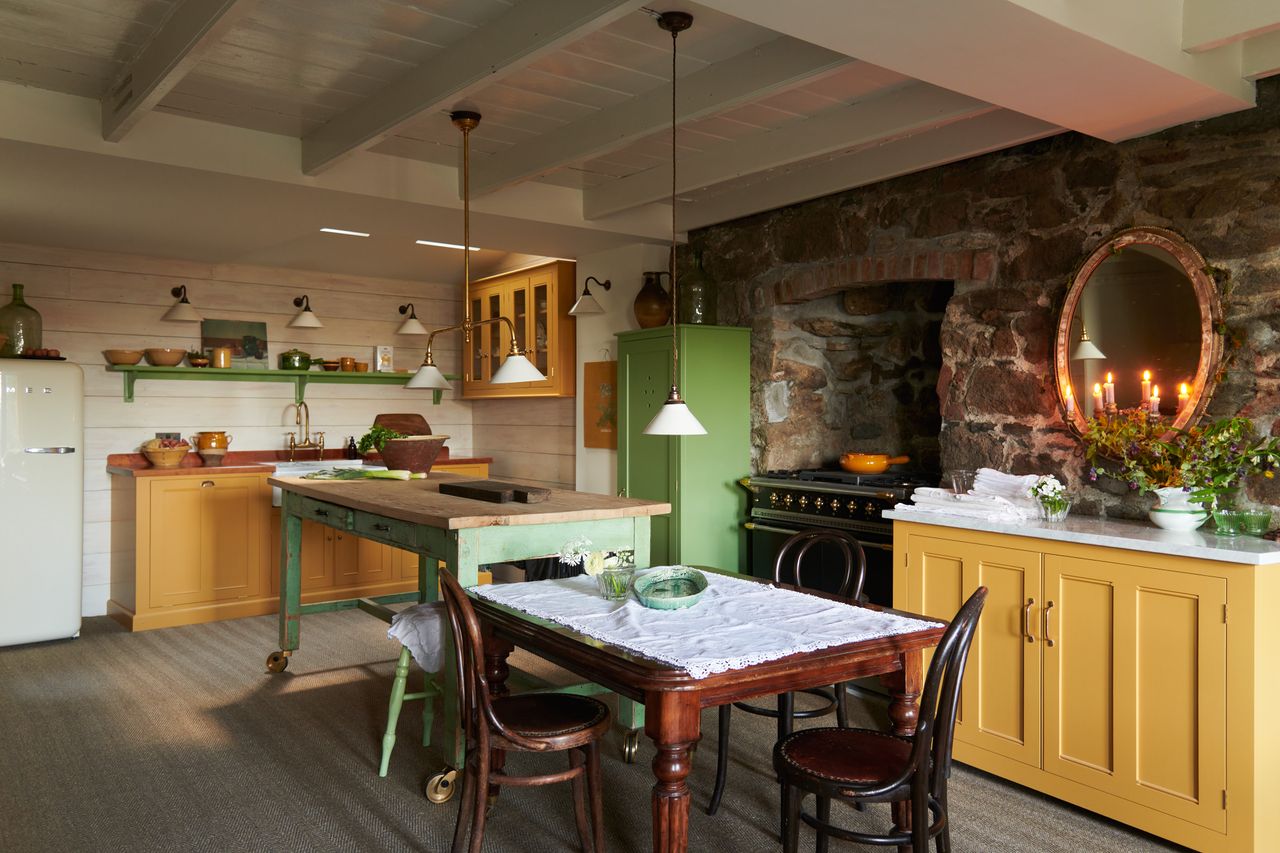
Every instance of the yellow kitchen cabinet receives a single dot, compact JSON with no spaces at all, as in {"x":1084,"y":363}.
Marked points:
{"x":1100,"y":675}
{"x":537,"y":302}
{"x":200,"y":549}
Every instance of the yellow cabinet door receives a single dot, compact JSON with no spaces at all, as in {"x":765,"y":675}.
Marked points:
{"x":1135,"y":684}
{"x":1000,"y":698}
{"x":173,"y":526}
{"x":358,"y":561}
{"x":316,"y":567}
{"x":231,"y":536}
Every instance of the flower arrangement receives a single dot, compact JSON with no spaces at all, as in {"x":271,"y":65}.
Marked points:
{"x":576,"y":551}
{"x":611,"y":569}
{"x":1052,"y":496}
{"x":1208,"y":462}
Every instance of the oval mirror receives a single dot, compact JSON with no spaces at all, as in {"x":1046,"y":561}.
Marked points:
{"x":1139,"y":320}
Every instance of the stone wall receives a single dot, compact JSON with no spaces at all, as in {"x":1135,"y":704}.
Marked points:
{"x":1009,"y":229}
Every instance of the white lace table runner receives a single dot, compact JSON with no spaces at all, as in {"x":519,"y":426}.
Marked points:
{"x":735,"y":624}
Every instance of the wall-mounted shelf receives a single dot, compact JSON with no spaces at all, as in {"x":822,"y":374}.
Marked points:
{"x":299,"y":378}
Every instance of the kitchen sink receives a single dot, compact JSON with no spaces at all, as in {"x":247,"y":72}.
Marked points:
{"x":298,"y":469}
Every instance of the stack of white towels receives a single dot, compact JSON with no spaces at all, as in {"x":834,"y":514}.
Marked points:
{"x":995,"y":496}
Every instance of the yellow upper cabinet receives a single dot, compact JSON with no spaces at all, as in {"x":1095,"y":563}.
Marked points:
{"x":537,"y":303}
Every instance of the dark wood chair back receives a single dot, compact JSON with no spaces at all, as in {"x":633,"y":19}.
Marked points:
{"x":787,"y":566}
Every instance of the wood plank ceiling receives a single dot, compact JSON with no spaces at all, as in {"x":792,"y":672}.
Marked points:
{"x":577,"y":94}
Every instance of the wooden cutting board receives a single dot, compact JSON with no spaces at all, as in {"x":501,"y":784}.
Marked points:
{"x":495,"y":491}
{"x":408,"y":423}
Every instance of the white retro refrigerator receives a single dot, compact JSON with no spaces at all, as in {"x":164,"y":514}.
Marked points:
{"x":41,"y":499}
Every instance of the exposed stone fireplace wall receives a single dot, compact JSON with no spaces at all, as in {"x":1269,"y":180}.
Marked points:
{"x":1009,"y":229}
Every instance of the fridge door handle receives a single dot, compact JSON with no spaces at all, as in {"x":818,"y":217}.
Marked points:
{"x":50,"y":450}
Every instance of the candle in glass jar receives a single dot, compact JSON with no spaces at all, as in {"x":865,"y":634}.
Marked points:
{"x":1155,"y":399}
{"x":1109,"y":391}
{"x":1097,"y":399}
{"x":1146,"y":385}
{"x":1071,"y":400}
{"x":1184,"y":396}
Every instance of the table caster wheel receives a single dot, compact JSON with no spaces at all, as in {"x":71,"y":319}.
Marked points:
{"x":630,"y":746}
{"x":277,"y":662}
{"x":440,"y":787}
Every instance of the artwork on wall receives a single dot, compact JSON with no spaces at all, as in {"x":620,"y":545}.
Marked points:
{"x":600,"y":404}
{"x":384,"y":358}
{"x":246,"y":339}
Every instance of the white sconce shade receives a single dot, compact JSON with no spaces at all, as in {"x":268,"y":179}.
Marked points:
{"x":428,"y":376}
{"x":587,"y":303}
{"x":411,"y":325}
{"x":181,"y":311}
{"x":1086,"y":349}
{"x":305,"y":318}
{"x":516,"y":368}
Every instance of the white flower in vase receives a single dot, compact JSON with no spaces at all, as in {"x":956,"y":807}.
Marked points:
{"x":576,"y":551}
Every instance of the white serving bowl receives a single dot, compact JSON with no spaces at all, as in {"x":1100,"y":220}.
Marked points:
{"x":1178,"y":519}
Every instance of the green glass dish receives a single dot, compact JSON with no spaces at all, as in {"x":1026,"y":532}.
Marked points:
{"x":671,"y":588}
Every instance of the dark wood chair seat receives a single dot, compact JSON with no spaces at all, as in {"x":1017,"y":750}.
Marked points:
{"x":850,"y":756}
{"x":531,"y":722}
{"x":857,"y":766}
{"x":567,"y":719}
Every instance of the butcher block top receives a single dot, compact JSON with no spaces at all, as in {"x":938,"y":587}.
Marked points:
{"x":420,"y":502}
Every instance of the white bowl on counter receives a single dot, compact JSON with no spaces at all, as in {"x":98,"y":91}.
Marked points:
{"x":1178,"y":519}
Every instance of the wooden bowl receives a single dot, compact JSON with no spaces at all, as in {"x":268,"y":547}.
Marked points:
{"x":166,"y":356}
{"x":169,"y":458}
{"x":122,"y":356}
{"x":416,"y":453}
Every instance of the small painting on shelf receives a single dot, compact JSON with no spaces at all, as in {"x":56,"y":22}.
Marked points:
{"x":600,"y":404}
{"x":246,"y":339}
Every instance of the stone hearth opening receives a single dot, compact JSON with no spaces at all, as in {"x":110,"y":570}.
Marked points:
{"x":857,"y":371}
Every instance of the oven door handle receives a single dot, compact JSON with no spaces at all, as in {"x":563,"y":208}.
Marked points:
{"x":752,"y":525}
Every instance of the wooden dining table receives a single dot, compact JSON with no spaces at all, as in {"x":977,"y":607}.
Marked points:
{"x":673,"y":700}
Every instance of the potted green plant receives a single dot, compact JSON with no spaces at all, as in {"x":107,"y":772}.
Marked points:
{"x":376,"y":438}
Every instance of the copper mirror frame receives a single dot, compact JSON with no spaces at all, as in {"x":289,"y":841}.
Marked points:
{"x":1206,"y":293}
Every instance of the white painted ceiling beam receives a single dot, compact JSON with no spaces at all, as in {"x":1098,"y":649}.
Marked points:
{"x":957,"y":141}
{"x":531,"y":29}
{"x":902,"y":111}
{"x":1260,"y":57}
{"x":771,"y":67}
{"x":1111,"y":70}
{"x":192,"y":28}
{"x":1209,"y":24}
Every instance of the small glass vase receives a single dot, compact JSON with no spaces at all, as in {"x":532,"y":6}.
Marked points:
{"x":615,"y":583}
{"x":20,"y":324}
{"x":1056,"y":511}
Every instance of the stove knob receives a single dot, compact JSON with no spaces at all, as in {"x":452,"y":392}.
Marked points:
{"x":818,"y":503}
{"x":787,"y":500}
{"x":773,"y":498}
{"x":804,"y":501}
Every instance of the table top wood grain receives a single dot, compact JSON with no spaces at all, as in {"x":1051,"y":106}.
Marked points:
{"x":420,"y":502}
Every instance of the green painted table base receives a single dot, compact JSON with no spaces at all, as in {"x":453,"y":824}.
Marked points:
{"x":463,"y":551}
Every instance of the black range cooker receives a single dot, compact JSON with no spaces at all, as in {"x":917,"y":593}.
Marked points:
{"x":784,"y":502}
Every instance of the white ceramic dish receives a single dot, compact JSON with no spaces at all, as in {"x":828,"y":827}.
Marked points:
{"x":1178,"y":519}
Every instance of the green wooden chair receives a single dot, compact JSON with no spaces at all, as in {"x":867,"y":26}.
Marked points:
{"x":400,"y":694}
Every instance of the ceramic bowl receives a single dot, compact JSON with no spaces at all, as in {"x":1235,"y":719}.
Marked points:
{"x":166,"y":356}
{"x":121,"y":356}
{"x":416,"y":453}
{"x":670,"y":588}
{"x":1178,"y":519}
{"x":168,"y":458}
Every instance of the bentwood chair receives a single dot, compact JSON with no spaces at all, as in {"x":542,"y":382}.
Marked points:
{"x":863,"y":766}
{"x":538,"y":722}
{"x":787,"y":569}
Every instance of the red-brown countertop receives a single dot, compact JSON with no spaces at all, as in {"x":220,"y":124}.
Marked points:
{"x":242,"y":462}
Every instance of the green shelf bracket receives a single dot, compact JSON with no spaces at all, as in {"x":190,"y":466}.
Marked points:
{"x":300,"y":378}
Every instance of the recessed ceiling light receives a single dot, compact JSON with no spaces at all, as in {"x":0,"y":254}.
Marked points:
{"x":444,"y":245}
{"x":344,"y":231}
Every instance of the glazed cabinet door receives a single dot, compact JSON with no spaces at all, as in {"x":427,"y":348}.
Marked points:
{"x":1135,"y":684}
{"x":1000,"y":698}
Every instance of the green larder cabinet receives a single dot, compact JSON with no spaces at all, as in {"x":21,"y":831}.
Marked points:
{"x":697,"y":474}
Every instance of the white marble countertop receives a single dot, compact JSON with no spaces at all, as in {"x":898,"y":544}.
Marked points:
{"x":1130,"y":535}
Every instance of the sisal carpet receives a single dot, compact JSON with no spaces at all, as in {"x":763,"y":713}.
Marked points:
{"x":178,"y":740}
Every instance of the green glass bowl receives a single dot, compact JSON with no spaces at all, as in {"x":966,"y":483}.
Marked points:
{"x":1228,"y":522}
{"x":1255,"y":522}
{"x":671,"y":588}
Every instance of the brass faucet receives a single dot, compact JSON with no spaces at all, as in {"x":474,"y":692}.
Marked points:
{"x":302,"y":418}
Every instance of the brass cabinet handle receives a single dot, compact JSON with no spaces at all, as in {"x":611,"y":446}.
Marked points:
{"x":1048,"y":605}
{"x":206,"y":484}
{"x":1026,"y":620}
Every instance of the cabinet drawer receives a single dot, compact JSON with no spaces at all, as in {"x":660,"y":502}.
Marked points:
{"x":386,"y":530}
{"x":324,"y":513}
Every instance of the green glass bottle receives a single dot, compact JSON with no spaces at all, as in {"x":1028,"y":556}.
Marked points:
{"x":21,"y":323}
{"x":697,"y":295}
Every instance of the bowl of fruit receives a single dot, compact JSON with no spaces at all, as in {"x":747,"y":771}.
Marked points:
{"x":165,"y":452}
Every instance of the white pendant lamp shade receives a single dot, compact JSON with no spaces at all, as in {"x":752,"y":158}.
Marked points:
{"x":305,"y":318}
{"x":428,"y":376}
{"x":586,"y":304}
{"x":181,"y":311}
{"x":1086,"y":349}
{"x":411,"y":325}
{"x":674,"y":418}
{"x":516,"y":368}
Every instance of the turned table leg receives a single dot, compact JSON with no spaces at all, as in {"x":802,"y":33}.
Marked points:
{"x":673,"y":723}
{"x":904,"y":710}
{"x":496,"y":672}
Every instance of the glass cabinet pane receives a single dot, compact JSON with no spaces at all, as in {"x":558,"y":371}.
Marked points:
{"x":541,"y":301}
{"x":477,"y":362}
{"x":495,"y":334}
{"x":520,"y":316}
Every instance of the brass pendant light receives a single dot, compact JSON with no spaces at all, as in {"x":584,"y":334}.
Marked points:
{"x":674,"y":417}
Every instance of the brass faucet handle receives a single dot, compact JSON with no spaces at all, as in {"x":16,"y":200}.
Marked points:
{"x":293,"y":443}
{"x":320,"y":445}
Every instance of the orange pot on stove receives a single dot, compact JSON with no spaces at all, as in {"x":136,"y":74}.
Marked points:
{"x":870,"y":463}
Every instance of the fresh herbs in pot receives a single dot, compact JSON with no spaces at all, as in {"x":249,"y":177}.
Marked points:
{"x":376,"y":437}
